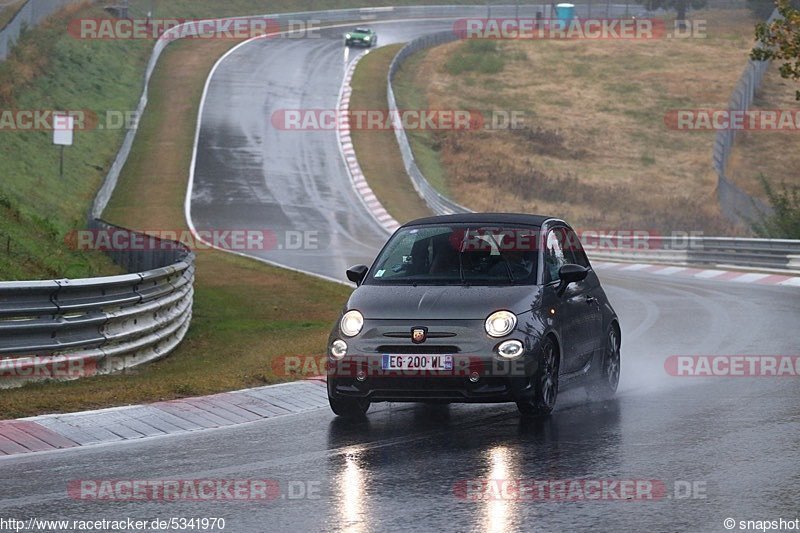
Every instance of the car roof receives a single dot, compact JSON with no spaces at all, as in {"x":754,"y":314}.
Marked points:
{"x":482,"y":218}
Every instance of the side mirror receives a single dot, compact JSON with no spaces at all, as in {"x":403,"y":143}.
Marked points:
{"x":357,"y":274}
{"x":570,"y":274}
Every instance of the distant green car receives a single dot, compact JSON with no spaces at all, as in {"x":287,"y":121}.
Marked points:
{"x":361,"y":37}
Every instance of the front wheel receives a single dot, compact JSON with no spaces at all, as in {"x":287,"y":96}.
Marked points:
{"x":544,"y":384}
{"x":606,"y":384}
{"x":349,"y":407}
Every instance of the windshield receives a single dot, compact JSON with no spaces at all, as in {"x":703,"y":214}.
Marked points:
{"x":361,"y":30}
{"x":458,"y":254}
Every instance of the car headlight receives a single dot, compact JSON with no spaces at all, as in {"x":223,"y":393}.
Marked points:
{"x":367,"y":38}
{"x":510,"y":349}
{"x":347,"y":35}
{"x":501,"y":323}
{"x":351,"y":323}
{"x":338,"y":348}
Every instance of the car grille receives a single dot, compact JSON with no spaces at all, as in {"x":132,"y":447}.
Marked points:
{"x":445,"y":388}
{"x":418,"y":349}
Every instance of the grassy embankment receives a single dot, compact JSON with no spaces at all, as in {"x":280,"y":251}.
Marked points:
{"x":52,"y":70}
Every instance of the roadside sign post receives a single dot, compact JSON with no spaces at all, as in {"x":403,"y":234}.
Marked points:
{"x":63,"y":126}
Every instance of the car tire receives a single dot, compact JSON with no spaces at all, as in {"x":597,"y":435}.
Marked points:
{"x":544,"y":383}
{"x":605,"y":385}
{"x":349,"y":407}
{"x":347,"y":44}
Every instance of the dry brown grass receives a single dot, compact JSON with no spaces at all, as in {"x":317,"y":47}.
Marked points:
{"x":595,"y":148}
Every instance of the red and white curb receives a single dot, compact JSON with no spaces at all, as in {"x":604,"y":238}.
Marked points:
{"x":362,"y":188}
{"x":58,"y":432}
{"x":700,"y":273}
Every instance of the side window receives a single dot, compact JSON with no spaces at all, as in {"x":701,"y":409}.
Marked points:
{"x":574,"y":249}
{"x":553,"y":255}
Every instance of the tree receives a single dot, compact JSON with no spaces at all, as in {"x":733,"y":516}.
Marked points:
{"x":780,"y":40}
{"x":680,"y":6}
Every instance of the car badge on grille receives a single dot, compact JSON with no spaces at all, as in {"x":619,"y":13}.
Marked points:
{"x":419,"y":335}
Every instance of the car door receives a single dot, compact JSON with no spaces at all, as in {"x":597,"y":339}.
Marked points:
{"x":574,"y":308}
{"x":590,"y":294}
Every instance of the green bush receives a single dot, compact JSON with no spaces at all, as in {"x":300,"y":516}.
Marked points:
{"x":784,"y":222}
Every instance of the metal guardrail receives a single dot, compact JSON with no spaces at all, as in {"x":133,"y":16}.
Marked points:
{"x":101,"y":325}
{"x":736,"y":205}
{"x":438,"y":203}
{"x":770,"y":254}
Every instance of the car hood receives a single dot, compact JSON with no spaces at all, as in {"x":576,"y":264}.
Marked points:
{"x":454,"y":302}
{"x":358,"y":34}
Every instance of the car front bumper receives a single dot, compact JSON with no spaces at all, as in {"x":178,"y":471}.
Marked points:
{"x":479,"y":374}
{"x":473,"y":379}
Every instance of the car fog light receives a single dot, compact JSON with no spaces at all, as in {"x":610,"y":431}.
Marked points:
{"x":474,"y":377}
{"x":361,"y":375}
{"x":338,"y":348}
{"x":510,"y":349}
{"x":501,"y":323}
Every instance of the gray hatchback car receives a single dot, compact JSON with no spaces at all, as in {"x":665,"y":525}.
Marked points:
{"x":475,"y":307}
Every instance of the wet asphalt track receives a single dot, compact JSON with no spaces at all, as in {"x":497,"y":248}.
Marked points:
{"x":251,"y":175}
{"x":738,"y":437}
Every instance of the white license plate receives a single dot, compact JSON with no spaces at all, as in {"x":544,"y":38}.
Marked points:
{"x":417,"y":362}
